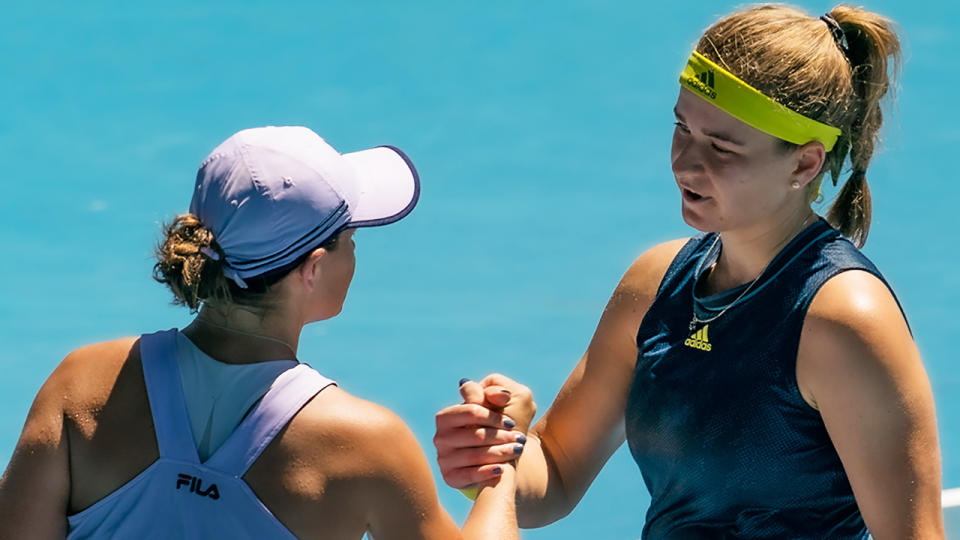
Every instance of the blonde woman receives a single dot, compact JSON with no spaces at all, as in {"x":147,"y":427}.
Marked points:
{"x":762,"y":373}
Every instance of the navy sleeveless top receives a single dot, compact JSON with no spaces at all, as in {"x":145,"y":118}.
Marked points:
{"x":727,"y":446}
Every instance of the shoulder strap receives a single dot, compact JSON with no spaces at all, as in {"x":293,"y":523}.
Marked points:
{"x":165,"y":394}
{"x":288,"y":394}
{"x":683,"y":258}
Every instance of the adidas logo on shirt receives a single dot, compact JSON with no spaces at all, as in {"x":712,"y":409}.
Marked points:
{"x":699,"y":340}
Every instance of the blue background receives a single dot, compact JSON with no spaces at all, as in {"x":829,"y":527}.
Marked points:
{"x":541,"y":132}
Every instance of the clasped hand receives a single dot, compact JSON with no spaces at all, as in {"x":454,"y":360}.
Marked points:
{"x":474,"y":438}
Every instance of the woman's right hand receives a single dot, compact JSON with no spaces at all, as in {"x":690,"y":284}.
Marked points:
{"x":488,"y":429}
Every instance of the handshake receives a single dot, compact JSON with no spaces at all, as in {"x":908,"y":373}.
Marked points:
{"x":489,"y":429}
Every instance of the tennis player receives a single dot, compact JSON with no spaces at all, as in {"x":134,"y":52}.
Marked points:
{"x":762,"y":373}
{"x":218,"y":430}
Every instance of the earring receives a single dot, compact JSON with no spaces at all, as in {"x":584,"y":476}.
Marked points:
{"x":795,"y":185}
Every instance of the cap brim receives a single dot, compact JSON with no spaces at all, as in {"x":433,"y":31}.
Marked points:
{"x":388,"y":186}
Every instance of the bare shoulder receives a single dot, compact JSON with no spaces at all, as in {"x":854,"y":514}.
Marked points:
{"x":648,"y":269}
{"x":854,"y":297}
{"x":642,"y":279}
{"x":854,"y":328}
{"x":354,"y":416}
{"x":87,"y":375}
{"x":103,"y":355}
{"x":354,"y":432}
{"x":81,"y":383}
{"x":366,"y":448}
{"x":855,"y":310}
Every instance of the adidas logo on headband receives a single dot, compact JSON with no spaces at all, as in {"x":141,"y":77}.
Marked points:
{"x":706,"y":78}
{"x":703,"y":82}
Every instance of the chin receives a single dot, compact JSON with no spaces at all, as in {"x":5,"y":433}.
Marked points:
{"x":697,"y":222}
{"x":706,"y":220}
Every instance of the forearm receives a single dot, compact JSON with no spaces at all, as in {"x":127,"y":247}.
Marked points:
{"x":493,"y":514}
{"x":541,"y":495}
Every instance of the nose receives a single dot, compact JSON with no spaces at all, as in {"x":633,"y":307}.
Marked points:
{"x":685,"y":157}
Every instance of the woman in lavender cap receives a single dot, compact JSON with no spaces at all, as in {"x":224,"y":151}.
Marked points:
{"x":218,"y":430}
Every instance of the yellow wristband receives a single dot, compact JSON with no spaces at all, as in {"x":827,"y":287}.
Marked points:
{"x":470,"y":493}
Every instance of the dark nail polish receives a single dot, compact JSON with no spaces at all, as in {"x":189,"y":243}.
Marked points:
{"x":505,"y":391}
{"x":463,"y":380}
{"x":517,"y":448}
{"x":509,"y":423}
{"x":497,"y":470}
{"x":522,"y":439}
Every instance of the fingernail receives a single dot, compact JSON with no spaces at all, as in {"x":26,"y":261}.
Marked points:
{"x":505,"y":391}
{"x":462,"y":381}
{"x":509,"y":423}
{"x":517,"y":448}
{"x":521,"y":438}
{"x":497,"y":470}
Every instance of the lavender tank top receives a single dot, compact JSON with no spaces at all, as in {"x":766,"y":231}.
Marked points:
{"x":178,"y":496}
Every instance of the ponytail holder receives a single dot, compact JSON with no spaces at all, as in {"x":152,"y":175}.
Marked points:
{"x":230,"y":273}
{"x":210,"y":253}
{"x":836,"y":31}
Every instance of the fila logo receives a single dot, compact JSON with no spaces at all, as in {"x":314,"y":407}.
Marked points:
{"x":703,"y":83}
{"x":196,"y":486}
{"x":699,"y":340}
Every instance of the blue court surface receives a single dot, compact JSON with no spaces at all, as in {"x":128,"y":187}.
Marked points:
{"x":541,"y":132}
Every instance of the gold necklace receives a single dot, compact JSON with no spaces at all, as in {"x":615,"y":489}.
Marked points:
{"x":696,"y":274}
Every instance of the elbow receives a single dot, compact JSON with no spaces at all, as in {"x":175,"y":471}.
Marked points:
{"x":534,"y":519}
{"x":549,"y":504}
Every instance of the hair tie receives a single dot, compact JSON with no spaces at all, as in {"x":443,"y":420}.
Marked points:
{"x":836,"y":31}
{"x":230,"y":273}
{"x":210,"y":253}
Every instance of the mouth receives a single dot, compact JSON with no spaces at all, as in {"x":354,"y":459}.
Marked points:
{"x":690,"y":195}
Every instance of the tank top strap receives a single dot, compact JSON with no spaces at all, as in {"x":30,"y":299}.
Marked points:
{"x":288,"y":394}
{"x":165,"y":394}
{"x":682,"y":264}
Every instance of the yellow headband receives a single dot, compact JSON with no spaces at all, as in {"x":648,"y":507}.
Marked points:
{"x":745,"y":103}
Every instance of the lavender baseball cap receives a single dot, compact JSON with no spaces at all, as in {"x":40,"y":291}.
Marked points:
{"x":269,"y":195}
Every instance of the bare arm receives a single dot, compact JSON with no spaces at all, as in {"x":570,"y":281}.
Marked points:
{"x":35,"y":489}
{"x":858,"y":365}
{"x":403,"y":500}
{"x":585,"y":424}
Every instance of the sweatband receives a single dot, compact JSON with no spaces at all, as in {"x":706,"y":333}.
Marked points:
{"x":747,"y":104}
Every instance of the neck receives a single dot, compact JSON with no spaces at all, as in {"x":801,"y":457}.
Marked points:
{"x":747,"y":252}
{"x":239,"y":336}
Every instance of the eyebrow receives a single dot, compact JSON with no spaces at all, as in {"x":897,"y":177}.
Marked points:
{"x":713,"y":134}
